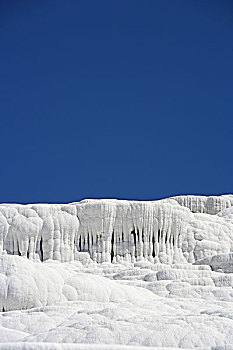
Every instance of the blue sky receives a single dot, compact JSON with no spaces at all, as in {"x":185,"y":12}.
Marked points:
{"x":115,"y":99}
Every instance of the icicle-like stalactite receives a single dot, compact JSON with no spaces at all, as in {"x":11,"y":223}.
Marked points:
{"x":165,"y":231}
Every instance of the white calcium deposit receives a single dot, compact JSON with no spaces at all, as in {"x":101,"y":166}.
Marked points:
{"x":179,"y":229}
{"x":114,"y":274}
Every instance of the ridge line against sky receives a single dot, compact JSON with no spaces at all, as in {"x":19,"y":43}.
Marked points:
{"x":121,"y":199}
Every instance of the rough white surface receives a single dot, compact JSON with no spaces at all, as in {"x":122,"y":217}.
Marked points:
{"x":170,"y":283}
{"x":180,"y":305}
{"x":166,"y":231}
{"x":68,"y":346}
{"x":202,"y":204}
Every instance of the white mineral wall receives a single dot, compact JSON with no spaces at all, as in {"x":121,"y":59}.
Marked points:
{"x":165,"y":231}
{"x":123,"y":230}
{"x":203,"y":204}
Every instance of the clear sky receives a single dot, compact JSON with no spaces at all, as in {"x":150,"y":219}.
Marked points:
{"x":115,"y":99}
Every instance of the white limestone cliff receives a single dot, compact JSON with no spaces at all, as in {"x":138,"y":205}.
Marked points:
{"x":205,"y":204}
{"x":113,"y":274}
{"x":173,"y":230}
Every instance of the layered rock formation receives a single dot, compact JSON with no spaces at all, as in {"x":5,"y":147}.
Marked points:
{"x":174,"y":230}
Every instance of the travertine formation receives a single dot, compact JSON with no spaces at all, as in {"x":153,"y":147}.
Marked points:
{"x":203,"y":204}
{"x":111,"y":274}
{"x":174,"y":230}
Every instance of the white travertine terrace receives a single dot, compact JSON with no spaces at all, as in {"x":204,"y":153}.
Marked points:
{"x":117,"y":274}
{"x":174,"y":230}
{"x":203,"y":204}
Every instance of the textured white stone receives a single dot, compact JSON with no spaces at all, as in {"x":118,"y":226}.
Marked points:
{"x":117,"y":275}
{"x":182,"y":306}
{"x":203,"y":204}
{"x":165,"y":231}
